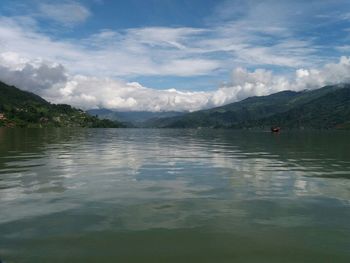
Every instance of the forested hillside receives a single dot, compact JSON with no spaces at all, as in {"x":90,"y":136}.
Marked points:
{"x":20,"y":108}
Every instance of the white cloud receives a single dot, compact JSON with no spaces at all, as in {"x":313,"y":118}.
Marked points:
{"x":164,"y":36}
{"x":240,"y":34}
{"x":66,"y":13}
{"x":87,"y":72}
{"x":53,"y":82}
{"x":90,"y":92}
{"x":162,"y":51}
{"x":110,"y":53}
{"x":262,"y":82}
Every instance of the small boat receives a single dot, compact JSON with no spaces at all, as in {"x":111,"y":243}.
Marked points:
{"x":275,"y":129}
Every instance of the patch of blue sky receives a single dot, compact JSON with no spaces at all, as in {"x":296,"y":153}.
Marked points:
{"x":280,"y":36}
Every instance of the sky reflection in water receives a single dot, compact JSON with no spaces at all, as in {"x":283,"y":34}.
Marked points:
{"x":57,"y":185}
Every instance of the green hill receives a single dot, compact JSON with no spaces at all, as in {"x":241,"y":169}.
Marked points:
{"x":326,"y":112}
{"x":328,"y":107}
{"x":20,"y":108}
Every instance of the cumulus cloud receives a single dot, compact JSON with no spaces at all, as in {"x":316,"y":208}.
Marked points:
{"x":36,"y":76}
{"x":263,"y":82}
{"x":56,"y":84}
{"x":92,"y":92}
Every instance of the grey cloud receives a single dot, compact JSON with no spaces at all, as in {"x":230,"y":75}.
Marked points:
{"x":37,"y":79}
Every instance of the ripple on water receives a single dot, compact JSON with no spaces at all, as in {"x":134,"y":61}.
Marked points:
{"x":222,"y":187}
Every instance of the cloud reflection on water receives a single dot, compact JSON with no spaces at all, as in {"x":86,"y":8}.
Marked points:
{"x":216,"y":172}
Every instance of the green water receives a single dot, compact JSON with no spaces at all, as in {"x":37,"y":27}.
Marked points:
{"x":133,"y":195}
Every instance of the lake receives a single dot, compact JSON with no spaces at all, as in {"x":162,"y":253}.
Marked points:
{"x":148,"y":195}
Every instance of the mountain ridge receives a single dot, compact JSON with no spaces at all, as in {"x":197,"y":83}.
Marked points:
{"x":271,"y":110}
{"x":324,"y":108}
{"x":135,"y":118}
{"x":19,"y":108}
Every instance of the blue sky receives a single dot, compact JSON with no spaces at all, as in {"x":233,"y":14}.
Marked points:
{"x":187,"y":55}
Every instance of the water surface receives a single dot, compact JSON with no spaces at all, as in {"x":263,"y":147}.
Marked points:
{"x":133,"y":195}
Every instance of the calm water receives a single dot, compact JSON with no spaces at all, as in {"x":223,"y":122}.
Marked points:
{"x":109,"y":195}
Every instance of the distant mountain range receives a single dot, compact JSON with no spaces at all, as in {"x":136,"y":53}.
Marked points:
{"x":20,"y":108}
{"x":324,"y":108}
{"x":134,"y":118}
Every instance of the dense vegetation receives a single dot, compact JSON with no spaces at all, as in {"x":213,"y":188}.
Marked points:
{"x":328,"y":107}
{"x":24,"y":109}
